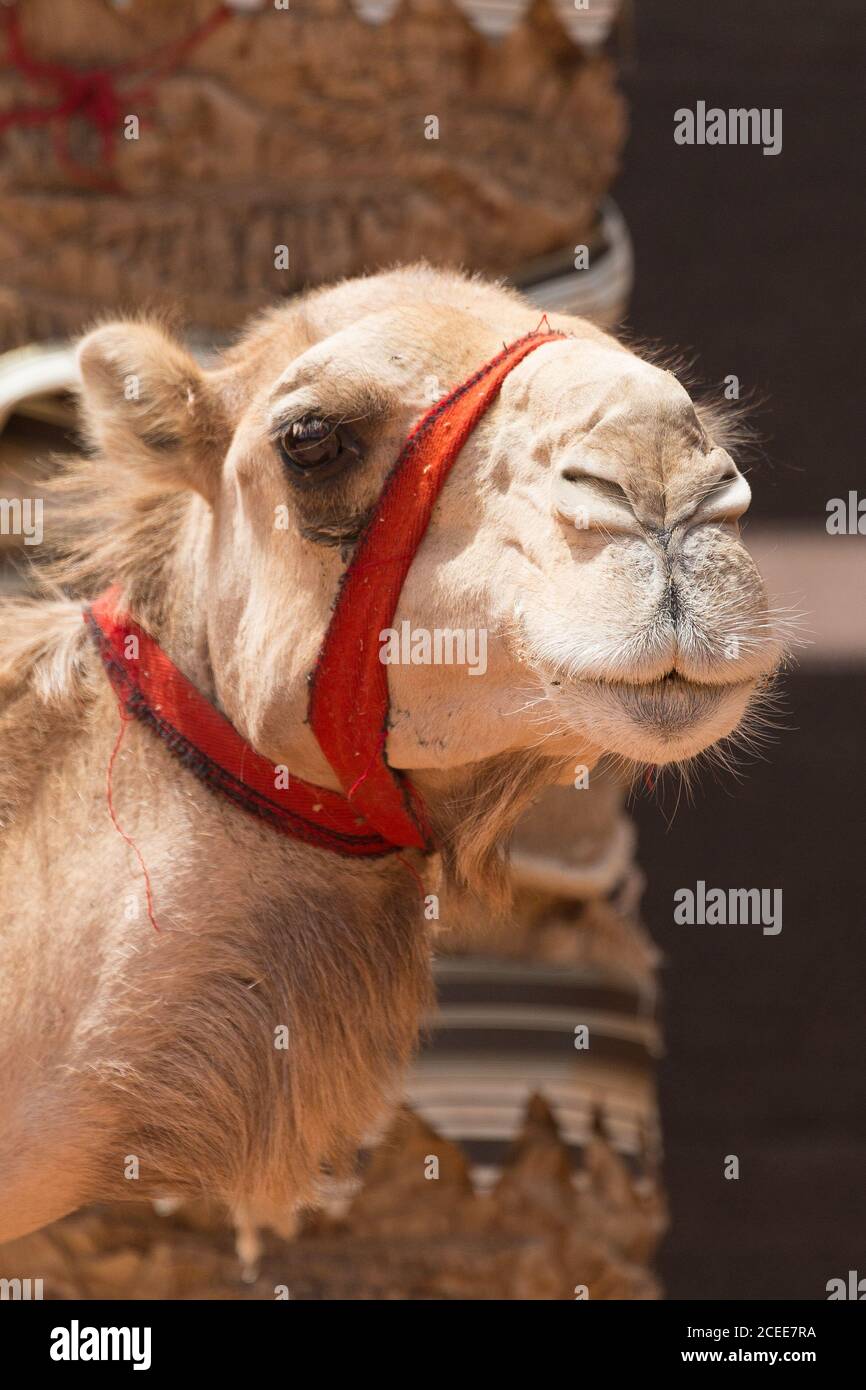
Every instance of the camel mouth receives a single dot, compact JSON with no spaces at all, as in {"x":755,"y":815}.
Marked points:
{"x":665,"y":719}
{"x":672,"y":703}
{"x":672,"y":685}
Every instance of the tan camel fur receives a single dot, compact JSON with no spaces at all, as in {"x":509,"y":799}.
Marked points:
{"x":589,"y":528}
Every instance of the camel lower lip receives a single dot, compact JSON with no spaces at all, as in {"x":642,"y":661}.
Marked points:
{"x":659,"y":721}
{"x":670,"y":703}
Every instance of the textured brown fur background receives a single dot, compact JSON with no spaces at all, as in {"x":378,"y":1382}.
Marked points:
{"x":302,"y":128}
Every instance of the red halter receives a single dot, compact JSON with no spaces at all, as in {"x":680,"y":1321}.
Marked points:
{"x":349,"y":705}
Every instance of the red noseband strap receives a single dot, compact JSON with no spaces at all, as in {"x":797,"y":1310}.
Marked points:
{"x":349,"y":704}
{"x":380,"y":810}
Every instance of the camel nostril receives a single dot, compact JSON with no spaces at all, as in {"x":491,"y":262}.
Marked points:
{"x":725,"y":501}
{"x":592,"y":503}
{"x":601,"y":488}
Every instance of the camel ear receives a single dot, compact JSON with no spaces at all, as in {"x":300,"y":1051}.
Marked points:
{"x":148,"y":405}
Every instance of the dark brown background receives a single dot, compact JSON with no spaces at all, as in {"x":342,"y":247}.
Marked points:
{"x":754,"y":262}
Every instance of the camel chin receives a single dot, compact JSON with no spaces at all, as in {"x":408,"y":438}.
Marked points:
{"x":661,"y":721}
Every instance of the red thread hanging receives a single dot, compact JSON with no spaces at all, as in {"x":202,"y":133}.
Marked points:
{"x":377,"y":753}
{"x":148,"y":890}
{"x":91,"y":93}
{"x":410,"y":869}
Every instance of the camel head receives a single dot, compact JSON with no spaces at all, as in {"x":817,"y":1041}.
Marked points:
{"x":583,"y":559}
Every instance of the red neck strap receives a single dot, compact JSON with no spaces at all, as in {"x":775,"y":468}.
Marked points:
{"x":349,"y":705}
{"x":150,"y":687}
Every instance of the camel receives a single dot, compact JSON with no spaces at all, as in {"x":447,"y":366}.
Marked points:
{"x":589,"y":527}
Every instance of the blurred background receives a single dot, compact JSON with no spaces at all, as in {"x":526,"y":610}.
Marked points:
{"x":554,"y":137}
{"x":754,"y":263}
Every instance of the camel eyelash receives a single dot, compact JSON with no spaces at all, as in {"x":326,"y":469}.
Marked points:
{"x":313,"y":448}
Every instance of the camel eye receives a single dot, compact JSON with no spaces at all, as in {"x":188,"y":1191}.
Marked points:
{"x":313,"y":448}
